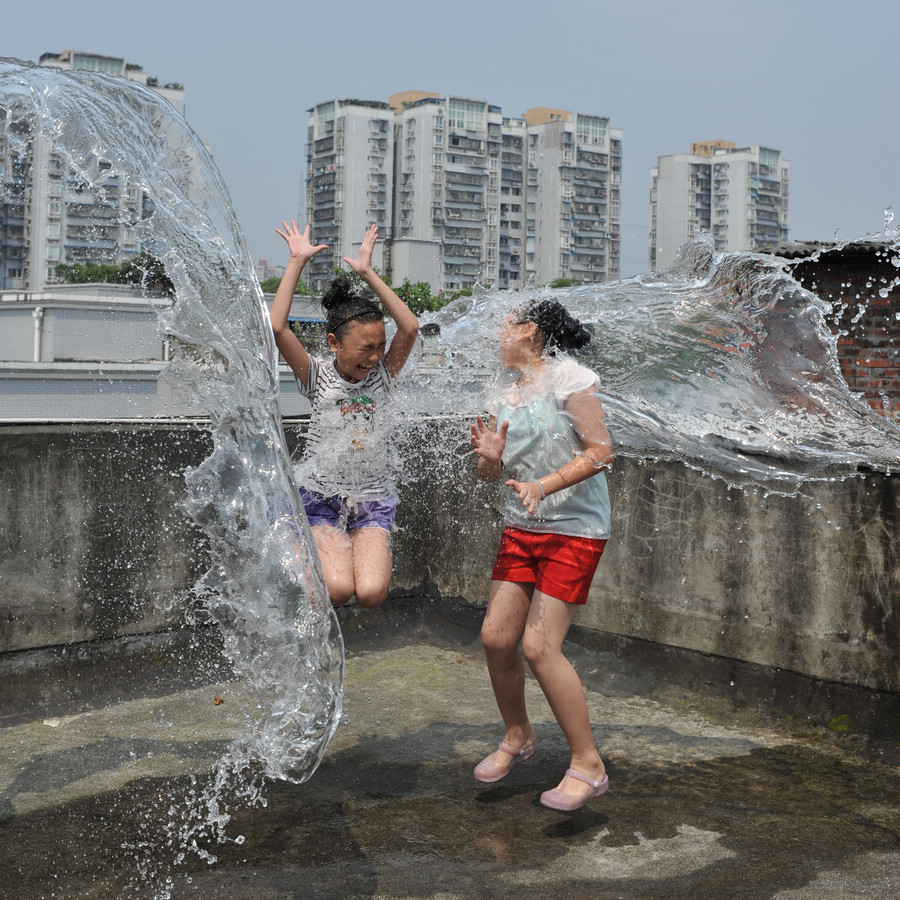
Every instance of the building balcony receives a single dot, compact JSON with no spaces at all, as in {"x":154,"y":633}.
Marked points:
{"x":451,"y":268}
{"x":71,"y":244}
{"x":456,"y":204}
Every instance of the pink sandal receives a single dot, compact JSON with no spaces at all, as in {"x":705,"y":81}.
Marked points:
{"x":489,"y":770}
{"x":559,"y":799}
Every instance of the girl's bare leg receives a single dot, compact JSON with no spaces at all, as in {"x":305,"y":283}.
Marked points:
{"x":548,"y":623}
{"x":336,"y":554}
{"x":371,"y":565}
{"x":504,"y":624}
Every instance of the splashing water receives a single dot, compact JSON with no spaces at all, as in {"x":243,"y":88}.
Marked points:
{"x":722,"y":361}
{"x":264,"y":590}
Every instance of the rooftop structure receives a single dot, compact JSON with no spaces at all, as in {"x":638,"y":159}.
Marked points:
{"x":90,"y":352}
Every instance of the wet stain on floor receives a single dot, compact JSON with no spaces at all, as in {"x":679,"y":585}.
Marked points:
{"x":695,"y":809}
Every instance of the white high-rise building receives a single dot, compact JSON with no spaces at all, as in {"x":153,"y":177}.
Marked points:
{"x":574,"y":196}
{"x":349,"y":166}
{"x":472,"y":196}
{"x":447,"y":195}
{"x":738,"y":195}
{"x":47,"y":215}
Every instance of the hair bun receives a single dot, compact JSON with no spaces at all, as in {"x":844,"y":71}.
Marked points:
{"x":576,"y":335}
{"x":339,"y":292}
{"x":558,"y":326}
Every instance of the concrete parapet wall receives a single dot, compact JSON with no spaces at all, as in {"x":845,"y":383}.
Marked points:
{"x":92,"y":546}
{"x":811,"y":585}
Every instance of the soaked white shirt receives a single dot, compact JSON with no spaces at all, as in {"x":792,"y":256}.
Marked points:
{"x":346,"y":449}
{"x":542,"y":439}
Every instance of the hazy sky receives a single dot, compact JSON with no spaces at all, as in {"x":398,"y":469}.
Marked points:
{"x":816,"y":79}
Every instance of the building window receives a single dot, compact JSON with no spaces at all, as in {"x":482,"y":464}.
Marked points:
{"x":325,"y":117}
{"x":591,"y":129}
{"x":97,"y":64}
{"x":467,"y":115}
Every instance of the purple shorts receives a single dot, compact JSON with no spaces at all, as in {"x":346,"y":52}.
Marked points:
{"x":337,"y":512}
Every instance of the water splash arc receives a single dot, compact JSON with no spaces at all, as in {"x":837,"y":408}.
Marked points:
{"x":723,"y":362}
{"x":265,"y":589}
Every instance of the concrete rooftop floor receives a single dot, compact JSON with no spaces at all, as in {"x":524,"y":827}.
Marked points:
{"x":705,"y":801}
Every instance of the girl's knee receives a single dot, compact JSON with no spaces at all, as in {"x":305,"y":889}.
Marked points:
{"x":370,"y":599}
{"x":340,"y":588}
{"x":497,"y":640}
{"x":340,"y":595}
{"x":535,"y":649}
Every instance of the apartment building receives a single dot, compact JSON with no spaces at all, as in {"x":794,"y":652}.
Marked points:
{"x":574,"y":196}
{"x":738,"y":195}
{"x":50,"y":214}
{"x":349,"y":165}
{"x":473,"y":197}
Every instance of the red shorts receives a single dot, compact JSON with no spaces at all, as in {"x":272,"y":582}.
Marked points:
{"x":558,"y":565}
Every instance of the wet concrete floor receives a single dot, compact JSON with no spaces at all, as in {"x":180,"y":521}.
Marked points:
{"x":704,"y":802}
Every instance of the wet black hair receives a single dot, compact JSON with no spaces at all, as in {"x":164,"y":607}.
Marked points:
{"x":559,"y":328}
{"x":343,"y":307}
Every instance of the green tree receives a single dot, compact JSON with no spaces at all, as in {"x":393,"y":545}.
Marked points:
{"x":446,"y":297}
{"x":417,"y":296}
{"x":270,"y":286}
{"x":563,"y":282}
{"x":87,"y":273}
{"x":145,"y":270}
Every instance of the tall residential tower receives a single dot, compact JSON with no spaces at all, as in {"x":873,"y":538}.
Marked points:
{"x":47,"y":215}
{"x":739,"y":196}
{"x":464,"y":194}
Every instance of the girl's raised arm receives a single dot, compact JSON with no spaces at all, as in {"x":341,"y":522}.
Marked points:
{"x":405,"y":320}
{"x":302,"y":251}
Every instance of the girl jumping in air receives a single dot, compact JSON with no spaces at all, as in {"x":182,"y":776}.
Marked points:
{"x":344,"y":475}
{"x":547,"y":431}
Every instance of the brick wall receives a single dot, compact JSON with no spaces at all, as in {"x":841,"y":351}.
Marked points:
{"x":852,"y":279}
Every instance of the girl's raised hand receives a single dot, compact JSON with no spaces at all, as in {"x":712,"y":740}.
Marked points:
{"x":489,"y":445}
{"x":363,"y":260}
{"x":298,"y":241}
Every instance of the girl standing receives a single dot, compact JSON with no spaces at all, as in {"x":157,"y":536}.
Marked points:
{"x":344,"y":474}
{"x":553,"y":441}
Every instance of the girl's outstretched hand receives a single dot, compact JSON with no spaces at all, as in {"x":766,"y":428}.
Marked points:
{"x":489,"y":445}
{"x":363,"y":261}
{"x":298,"y":241}
{"x":529,"y":492}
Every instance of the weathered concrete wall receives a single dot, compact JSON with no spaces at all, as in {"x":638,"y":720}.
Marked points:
{"x":92,"y":545}
{"x":811,"y":585}
{"x":91,"y":542}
